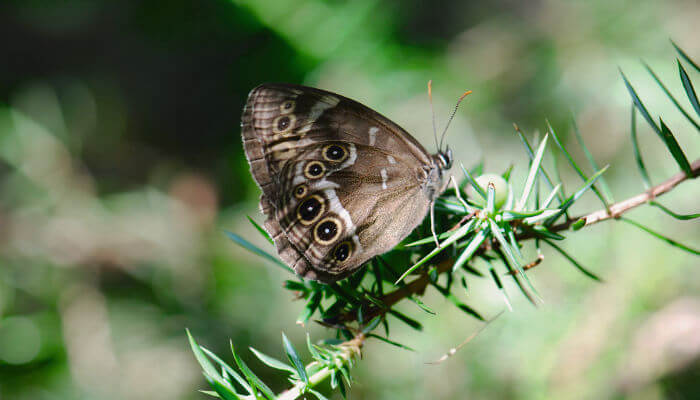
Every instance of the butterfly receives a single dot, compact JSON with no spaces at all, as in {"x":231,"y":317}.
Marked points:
{"x":340,"y":182}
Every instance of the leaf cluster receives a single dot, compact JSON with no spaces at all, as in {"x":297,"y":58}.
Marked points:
{"x":475,"y":241}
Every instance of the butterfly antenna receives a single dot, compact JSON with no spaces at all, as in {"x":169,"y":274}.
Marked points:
{"x":449,"y":121}
{"x":432,"y":110}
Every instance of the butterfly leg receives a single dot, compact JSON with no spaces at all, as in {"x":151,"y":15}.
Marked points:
{"x":432,"y":223}
{"x":467,"y":209}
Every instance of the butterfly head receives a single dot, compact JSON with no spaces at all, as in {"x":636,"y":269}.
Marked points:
{"x":434,"y":177}
{"x":444,"y":159}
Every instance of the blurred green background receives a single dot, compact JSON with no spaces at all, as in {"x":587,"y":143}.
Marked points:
{"x":121,"y":164}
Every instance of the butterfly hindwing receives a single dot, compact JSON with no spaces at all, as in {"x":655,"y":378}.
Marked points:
{"x":340,"y":182}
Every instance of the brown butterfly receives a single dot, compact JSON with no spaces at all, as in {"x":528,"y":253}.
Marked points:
{"x":340,"y":182}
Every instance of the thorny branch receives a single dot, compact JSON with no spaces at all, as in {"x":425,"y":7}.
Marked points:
{"x":418,"y":285}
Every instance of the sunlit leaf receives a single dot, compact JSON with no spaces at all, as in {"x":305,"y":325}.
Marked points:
{"x":578,"y":224}
{"x":445,"y":205}
{"x":310,"y":307}
{"x":372,"y":324}
{"x":531,"y":154}
{"x":574,"y":197}
{"x":640,"y":106}
{"x":294,"y":358}
{"x":513,"y":242}
{"x":675,"y":149}
{"x":683,"y":217}
{"x":391,"y":342}
{"x":549,"y":198}
{"x":685,"y":56}
{"x":689,"y":91}
{"x":573,"y":163}
{"x":507,"y":172}
{"x":534,"y":167}
{"x":475,"y":185}
{"x":262,"y":231}
{"x":222,"y":390}
{"x":542,"y":216}
{"x":501,"y":288}
{"x":510,"y":215}
{"x":429,"y":239}
{"x":273,"y":362}
{"x":231,"y":372}
{"x":635,"y":147}
{"x":662,"y":237}
{"x":490,"y":198}
{"x":458,"y":234}
{"x":543,"y":232}
{"x":603,"y":184}
{"x":209,"y":370}
{"x":422,"y":305}
{"x":350,"y":296}
{"x":255,"y":249}
{"x":514,"y":262}
{"x":210,"y":393}
{"x":312,"y":349}
{"x":472,"y":247}
{"x":408,"y":321}
{"x":253,"y":379}
{"x":318,"y":395}
{"x":670,"y":96}
{"x":573,"y":261}
{"x":459,"y":304}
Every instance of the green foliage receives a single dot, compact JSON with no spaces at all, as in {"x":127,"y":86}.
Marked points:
{"x":121,"y":164}
{"x":332,"y":361}
{"x":469,"y":232}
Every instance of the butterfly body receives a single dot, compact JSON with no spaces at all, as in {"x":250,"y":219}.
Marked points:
{"x":341,"y":183}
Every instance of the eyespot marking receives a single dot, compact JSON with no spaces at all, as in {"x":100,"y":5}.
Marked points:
{"x":335,"y":153}
{"x":373,"y":135}
{"x":300,"y":191}
{"x":342,"y":251}
{"x":314,"y":170}
{"x":287,"y":106}
{"x":328,"y":230}
{"x":283,"y":124}
{"x":311,"y":209}
{"x":385,"y":177}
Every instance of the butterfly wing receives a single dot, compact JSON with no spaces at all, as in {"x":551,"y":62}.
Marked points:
{"x":341,"y":183}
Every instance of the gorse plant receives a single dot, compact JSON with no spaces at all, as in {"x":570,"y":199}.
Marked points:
{"x":494,"y":225}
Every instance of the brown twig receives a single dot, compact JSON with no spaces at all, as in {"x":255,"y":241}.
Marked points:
{"x":533,"y":264}
{"x":623,"y":206}
{"x":615,"y":210}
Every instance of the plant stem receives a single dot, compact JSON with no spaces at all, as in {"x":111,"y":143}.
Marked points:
{"x":419,"y":284}
{"x":623,"y":206}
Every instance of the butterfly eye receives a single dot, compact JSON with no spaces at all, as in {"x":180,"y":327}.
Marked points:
{"x":300,"y":191}
{"x":327,"y":230}
{"x":314,"y":169}
{"x":287,"y":107}
{"x":283,"y":124}
{"x":310,"y":210}
{"x":335,"y":153}
{"x":342,"y":251}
